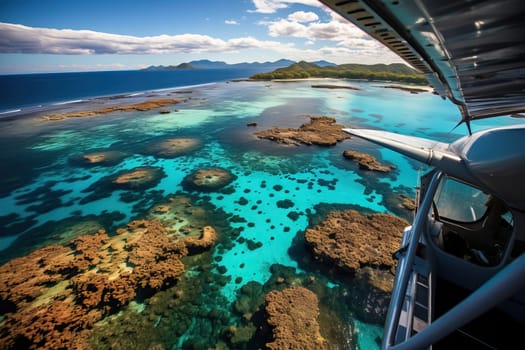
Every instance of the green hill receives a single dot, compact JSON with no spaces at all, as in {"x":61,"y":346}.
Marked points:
{"x":384,"y":72}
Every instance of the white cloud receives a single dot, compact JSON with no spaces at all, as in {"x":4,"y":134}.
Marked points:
{"x":301,"y":16}
{"x":343,"y":42}
{"x":340,"y":55}
{"x":333,"y":30}
{"x":271,"y":6}
{"x":15,"y":38}
{"x":284,"y":27}
{"x":231,"y":21}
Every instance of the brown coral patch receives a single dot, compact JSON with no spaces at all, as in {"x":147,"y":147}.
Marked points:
{"x":53,"y":296}
{"x":406,"y":202}
{"x":321,"y":130}
{"x":293,"y":313}
{"x":175,"y":147}
{"x":351,"y":240}
{"x":207,"y":238}
{"x":371,"y":297}
{"x":367,"y":162}
{"x":207,"y":180}
{"x":180,"y":217}
{"x":142,"y":177}
{"x":103,"y":158}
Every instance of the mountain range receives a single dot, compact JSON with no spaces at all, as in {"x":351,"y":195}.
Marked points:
{"x":288,"y":69}
{"x":207,"y":64}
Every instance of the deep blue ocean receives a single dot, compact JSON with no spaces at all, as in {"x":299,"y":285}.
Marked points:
{"x":19,"y":91}
{"x":59,"y":182}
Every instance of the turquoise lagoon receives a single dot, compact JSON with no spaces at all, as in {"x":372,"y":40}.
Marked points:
{"x":41,"y":188}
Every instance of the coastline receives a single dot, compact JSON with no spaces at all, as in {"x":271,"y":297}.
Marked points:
{"x":40,"y":108}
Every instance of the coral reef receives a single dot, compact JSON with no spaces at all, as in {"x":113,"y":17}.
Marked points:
{"x":361,"y":244}
{"x":141,"y":107}
{"x":138,"y":178}
{"x":321,"y":130}
{"x":203,"y":242}
{"x":367,"y":162}
{"x":102,"y":158}
{"x":370,"y":296}
{"x":350,"y":240}
{"x":406,"y":202}
{"x":293,"y":314}
{"x":208,"y":180}
{"x":52,"y":297}
{"x":174,"y":147}
{"x":400,"y":204}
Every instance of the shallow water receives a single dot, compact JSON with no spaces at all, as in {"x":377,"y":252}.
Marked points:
{"x":47,"y":197}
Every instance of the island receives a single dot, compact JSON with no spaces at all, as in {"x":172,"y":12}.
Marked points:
{"x":367,"y":162}
{"x":376,"y":72}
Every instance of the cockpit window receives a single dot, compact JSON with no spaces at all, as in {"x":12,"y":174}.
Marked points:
{"x":460,"y":202}
{"x":476,"y":226}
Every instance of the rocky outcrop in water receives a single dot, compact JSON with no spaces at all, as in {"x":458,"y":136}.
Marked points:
{"x":292,"y":314}
{"x":321,"y":130}
{"x":367,"y":162}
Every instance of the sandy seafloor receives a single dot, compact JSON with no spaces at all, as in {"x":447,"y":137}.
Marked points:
{"x":46,"y":197}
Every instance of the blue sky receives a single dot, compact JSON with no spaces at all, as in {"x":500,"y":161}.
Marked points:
{"x":58,"y":35}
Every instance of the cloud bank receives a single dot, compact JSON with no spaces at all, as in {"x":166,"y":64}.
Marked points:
{"x":16,"y":38}
{"x":271,"y":6}
{"x":337,"y":40}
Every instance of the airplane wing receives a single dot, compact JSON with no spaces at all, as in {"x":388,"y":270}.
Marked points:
{"x":430,"y":152}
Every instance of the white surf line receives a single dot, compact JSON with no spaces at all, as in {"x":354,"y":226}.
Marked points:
{"x":11,"y":111}
{"x":66,"y":102}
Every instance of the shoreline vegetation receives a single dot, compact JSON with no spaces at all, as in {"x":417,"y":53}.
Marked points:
{"x":397,"y":72}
